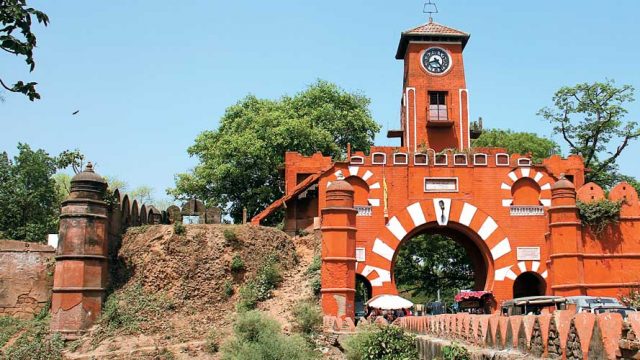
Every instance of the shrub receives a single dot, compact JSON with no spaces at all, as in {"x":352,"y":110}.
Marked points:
{"x":212,"y":342}
{"x":633,"y":300}
{"x":230,"y":236}
{"x":260,"y":288}
{"x":314,"y":275}
{"x":179,"y":228}
{"x":455,"y":351}
{"x":125,"y":310}
{"x":34,"y":341}
{"x":228,"y":289}
{"x":308,"y":317}
{"x":381,"y":343}
{"x":237,"y":264}
{"x":257,"y":336}
{"x":599,"y":214}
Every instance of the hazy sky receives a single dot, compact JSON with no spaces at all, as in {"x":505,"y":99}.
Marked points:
{"x":148,"y":76}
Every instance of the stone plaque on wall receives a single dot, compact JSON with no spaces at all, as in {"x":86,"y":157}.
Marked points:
{"x":528,"y":253}
{"x":440,"y":184}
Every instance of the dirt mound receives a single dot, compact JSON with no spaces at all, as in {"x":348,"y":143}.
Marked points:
{"x":192,"y":268}
{"x":193,"y":271}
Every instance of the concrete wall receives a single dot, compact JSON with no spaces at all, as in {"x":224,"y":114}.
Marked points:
{"x":26,"y":277}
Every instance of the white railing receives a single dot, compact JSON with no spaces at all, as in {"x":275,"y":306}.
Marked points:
{"x":527,"y":210}
{"x":363,"y":210}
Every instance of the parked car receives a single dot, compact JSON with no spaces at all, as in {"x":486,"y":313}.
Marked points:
{"x":533,"y":305}
{"x":598,"y":305}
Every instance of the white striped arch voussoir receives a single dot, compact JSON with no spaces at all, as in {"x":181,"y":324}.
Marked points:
{"x":368,"y":176}
{"x":386,"y":243}
{"x":543,"y":180}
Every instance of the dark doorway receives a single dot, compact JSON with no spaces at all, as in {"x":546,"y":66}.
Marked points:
{"x":529,"y":284}
{"x":363,"y":294}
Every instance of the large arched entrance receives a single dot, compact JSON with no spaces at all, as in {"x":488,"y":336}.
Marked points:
{"x":529,"y":284}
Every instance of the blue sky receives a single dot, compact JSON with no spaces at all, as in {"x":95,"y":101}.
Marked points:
{"x":148,"y":76}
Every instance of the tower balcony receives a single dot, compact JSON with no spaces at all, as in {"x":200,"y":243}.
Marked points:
{"x":438,"y":116}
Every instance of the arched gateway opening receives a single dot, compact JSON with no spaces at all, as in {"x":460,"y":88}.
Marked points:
{"x":436,"y":262}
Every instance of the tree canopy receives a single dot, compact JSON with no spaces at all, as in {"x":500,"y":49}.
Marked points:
{"x":591,"y":120}
{"x":240,"y":161}
{"x":518,"y":143}
{"x":29,"y":196}
{"x":428,"y":263}
{"x":16,"y":38}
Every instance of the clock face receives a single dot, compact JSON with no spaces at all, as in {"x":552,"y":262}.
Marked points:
{"x":436,"y":60}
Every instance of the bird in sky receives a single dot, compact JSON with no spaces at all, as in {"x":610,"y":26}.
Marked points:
{"x":75,"y":112}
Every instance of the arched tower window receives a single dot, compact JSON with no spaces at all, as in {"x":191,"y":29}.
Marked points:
{"x":525,"y":192}
{"x":360,"y":195}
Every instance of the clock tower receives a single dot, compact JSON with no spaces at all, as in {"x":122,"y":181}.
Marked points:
{"x":435,"y":100}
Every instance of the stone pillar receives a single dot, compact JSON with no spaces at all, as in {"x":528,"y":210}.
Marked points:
{"x":566,"y":268}
{"x":81,"y":258}
{"x":339,"y":251}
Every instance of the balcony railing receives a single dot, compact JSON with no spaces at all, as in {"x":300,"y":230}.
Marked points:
{"x":363,"y":210}
{"x":438,"y":113}
{"x":527,"y":210}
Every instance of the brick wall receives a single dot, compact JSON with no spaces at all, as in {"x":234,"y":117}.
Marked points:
{"x":25,"y":277}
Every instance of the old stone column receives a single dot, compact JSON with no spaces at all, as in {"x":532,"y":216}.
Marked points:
{"x":339,"y":251}
{"x":566,"y":269}
{"x":81,"y":258}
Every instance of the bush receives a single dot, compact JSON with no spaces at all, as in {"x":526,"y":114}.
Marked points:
{"x":179,"y":228}
{"x":633,"y":300}
{"x":228,"y":289}
{"x":260,"y":288}
{"x":237,"y":264}
{"x":230,"y":236}
{"x":314,"y":275}
{"x":257,"y":336}
{"x":308,"y":317}
{"x":455,"y":351}
{"x":599,"y":214}
{"x":212,"y":342}
{"x":381,"y":343}
{"x":125,"y":310}
{"x":34,"y":341}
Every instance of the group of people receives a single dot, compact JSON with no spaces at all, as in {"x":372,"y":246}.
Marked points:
{"x":372,"y":314}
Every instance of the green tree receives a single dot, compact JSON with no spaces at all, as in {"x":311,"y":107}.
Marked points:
{"x":518,"y":143}
{"x":143,"y":194}
{"x":591,"y":120}
{"x":428,"y":263}
{"x":240,"y":161}
{"x":29,"y":197}
{"x":16,"y":38}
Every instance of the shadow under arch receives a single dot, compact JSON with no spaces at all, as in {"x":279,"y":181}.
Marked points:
{"x":529,"y":283}
{"x":476,"y":249}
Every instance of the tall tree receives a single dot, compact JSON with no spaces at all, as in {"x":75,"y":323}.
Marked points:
{"x":518,"y":143}
{"x":16,"y":38}
{"x":240,"y":161}
{"x":29,"y":200}
{"x":591,"y":120}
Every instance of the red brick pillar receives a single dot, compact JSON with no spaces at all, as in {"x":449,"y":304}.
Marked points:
{"x":566,"y":269}
{"x":81,"y":258}
{"x":339,"y":251}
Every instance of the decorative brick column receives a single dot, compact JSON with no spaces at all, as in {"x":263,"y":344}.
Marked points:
{"x":566,"y":268}
{"x":339,"y":251}
{"x":81,"y":258}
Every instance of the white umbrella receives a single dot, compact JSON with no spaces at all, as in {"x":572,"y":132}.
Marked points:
{"x":389,"y":302}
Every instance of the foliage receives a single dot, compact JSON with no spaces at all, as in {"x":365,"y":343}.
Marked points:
{"x":257,"y":336}
{"x":16,"y":37}
{"x":125,"y":310}
{"x":230,"y":236}
{"x":142,"y":194}
{"x":308,"y":317}
{"x":260,"y":288}
{"x":455,"y":351}
{"x":632,"y":300}
{"x":179,"y":228}
{"x":518,"y":143}
{"x":237,"y":264}
{"x":599,"y":214}
{"x":314,"y":275}
{"x":228,"y":289}
{"x":29,"y":196}
{"x":212,"y":341}
{"x":590,"y":117}
{"x":427,"y":263}
{"x":381,"y":343}
{"x":33,"y":339}
{"x":239,"y":161}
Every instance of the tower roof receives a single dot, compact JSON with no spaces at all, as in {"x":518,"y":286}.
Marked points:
{"x":430,"y":31}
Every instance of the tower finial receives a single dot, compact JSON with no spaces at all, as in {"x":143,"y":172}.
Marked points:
{"x":430,"y":8}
